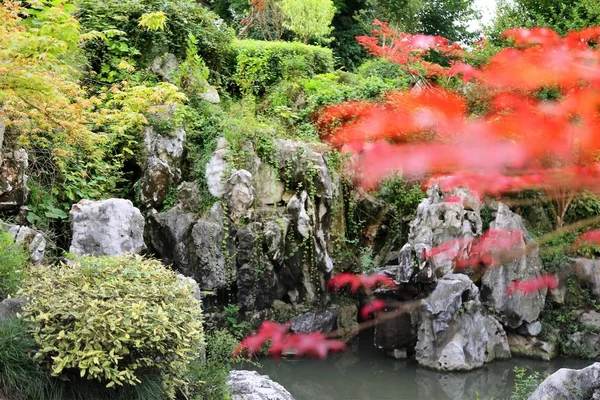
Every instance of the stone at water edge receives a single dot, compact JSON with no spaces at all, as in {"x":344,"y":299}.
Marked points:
{"x":321,"y":321}
{"x":454,"y":334}
{"x":529,"y":346}
{"x":570,"y":384}
{"x":250,"y":385}
{"x":530,"y":329}
{"x":106,"y":227}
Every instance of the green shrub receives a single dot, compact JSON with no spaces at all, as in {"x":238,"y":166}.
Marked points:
{"x":13,"y":260}
{"x":208,"y":380}
{"x":384,"y":69}
{"x":525,"y":384}
{"x":262,"y":64}
{"x":128,"y":41}
{"x":114,"y":320}
{"x":20,"y":375}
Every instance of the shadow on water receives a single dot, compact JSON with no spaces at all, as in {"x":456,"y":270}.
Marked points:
{"x":363,"y":372}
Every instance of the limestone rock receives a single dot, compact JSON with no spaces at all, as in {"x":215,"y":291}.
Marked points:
{"x":192,"y":284}
{"x":250,"y":385}
{"x":268,"y":187}
{"x":299,"y":158}
{"x":11,"y":307}
{"x":14,"y":192}
{"x":532,"y":347}
{"x":347,"y":320}
{"x":206,"y":262}
{"x":239,"y":194}
{"x":588,"y":271}
{"x":454,"y":334}
{"x":166,"y":67}
{"x":518,"y":307}
{"x":275,"y":232}
{"x":438,"y":222}
{"x":217,"y":168}
{"x":321,"y":321}
{"x":530,"y":329}
{"x":162,"y":163}
{"x":33,"y":241}
{"x":569,"y":384}
{"x":106,"y":227}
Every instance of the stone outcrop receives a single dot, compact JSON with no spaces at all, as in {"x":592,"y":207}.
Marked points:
{"x":588,"y":271}
{"x":529,"y":346}
{"x":106,"y":227}
{"x":438,"y":222}
{"x":570,"y":384}
{"x":14,"y":192}
{"x":518,"y":307}
{"x":454,"y":333}
{"x":163,"y":155}
{"x":33,"y":241}
{"x":250,"y":385}
{"x":11,"y":307}
{"x":321,"y":321}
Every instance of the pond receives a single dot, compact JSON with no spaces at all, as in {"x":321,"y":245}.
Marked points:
{"x":363,"y":372}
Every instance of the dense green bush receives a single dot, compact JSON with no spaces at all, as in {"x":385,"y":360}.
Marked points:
{"x":113,"y":320}
{"x":13,"y":260}
{"x":261,"y":64}
{"x":127,"y":40}
{"x":208,"y":380}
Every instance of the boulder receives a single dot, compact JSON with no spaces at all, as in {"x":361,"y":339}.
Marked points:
{"x":397,"y":333}
{"x":438,"y":222}
{"x":33,"y":241}
{"x":298,"y":159}
{"x":347,"y":321}
{"x":518,"y":307}
{"x":11,"y":307}
{"x":163,"y":155}
{"x":250,"y":385}
{"x":588,"y":271}
{"x":106,"y":227}
{"x":275,"y":232}
{"x":217,"y":168}
{"x":169,"y":232}
{"x":321,"y":321}
{"x":256,"y":280}
{"x":239,"y":194}
{"x":570,"y":384}
{"x":530,"y":329}
{"x":454,"y":334}
{"x":205,"y":261}
{"x":529,"y":346}
{"x":582,"y":344}
{"x":14,"y":192}
{"x":166,"y":67}
{"x":192,"y":284}
{"x":188,"y":197}
{"x":267,"y":185}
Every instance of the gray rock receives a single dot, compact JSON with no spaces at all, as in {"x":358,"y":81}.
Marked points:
{"x":275,"y":233}
{"x":169,"y":232}
{"x":321,"y":321}
{"x":14,"y":191}
{"x":33,"y":241}
{"x":347,"y":321}
{"x":591,"y":319}
{"x":518,"y":307}
{"x":162,"y":162}
{"x":530,"y":329}
{"x":299,"y":208}
{"x":267,"y":185}
{"x":569,"y":384}
{"x":192,"y":284}
{"x":299,"y":158}
{"x":166,"y":67}
{"x":588,"y":271}
{"x":397,"y":333}
{"x":206,"y":262}
{"x":453,"y":333}
{"x":11,"y":307}
{"x":497,"y":345}
{"x":188,"y":197}
{"x":210,"y":94}
{"x":582,"y":344}
{"x":106,"y":227}
{"x":438,"y":222}
{"x":239,"y":194}
{"x":250,"y":385}
{"x":217,"y":168}
{"x":256,"y":280}
{"x":529,"y":346}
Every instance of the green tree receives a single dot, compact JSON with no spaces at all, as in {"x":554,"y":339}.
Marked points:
{"x":560,"y":15}
{"x":308,"y":18}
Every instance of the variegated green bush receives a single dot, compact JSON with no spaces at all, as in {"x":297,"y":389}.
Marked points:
{"x":113,"y":319}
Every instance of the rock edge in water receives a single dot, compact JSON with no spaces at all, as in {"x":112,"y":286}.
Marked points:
{"x":570,"y":384}
{"x":250,"y":385}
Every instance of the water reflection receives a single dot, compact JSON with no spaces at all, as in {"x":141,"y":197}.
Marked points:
{"x":370,"y":375}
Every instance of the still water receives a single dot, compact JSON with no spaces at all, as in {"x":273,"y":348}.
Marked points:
{"x":365,"y":373}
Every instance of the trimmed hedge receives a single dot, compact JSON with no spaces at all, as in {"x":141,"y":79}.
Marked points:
{"x":262,"y":64}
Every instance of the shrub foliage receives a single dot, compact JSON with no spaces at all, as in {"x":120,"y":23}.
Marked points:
{"x":113,"y":319}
